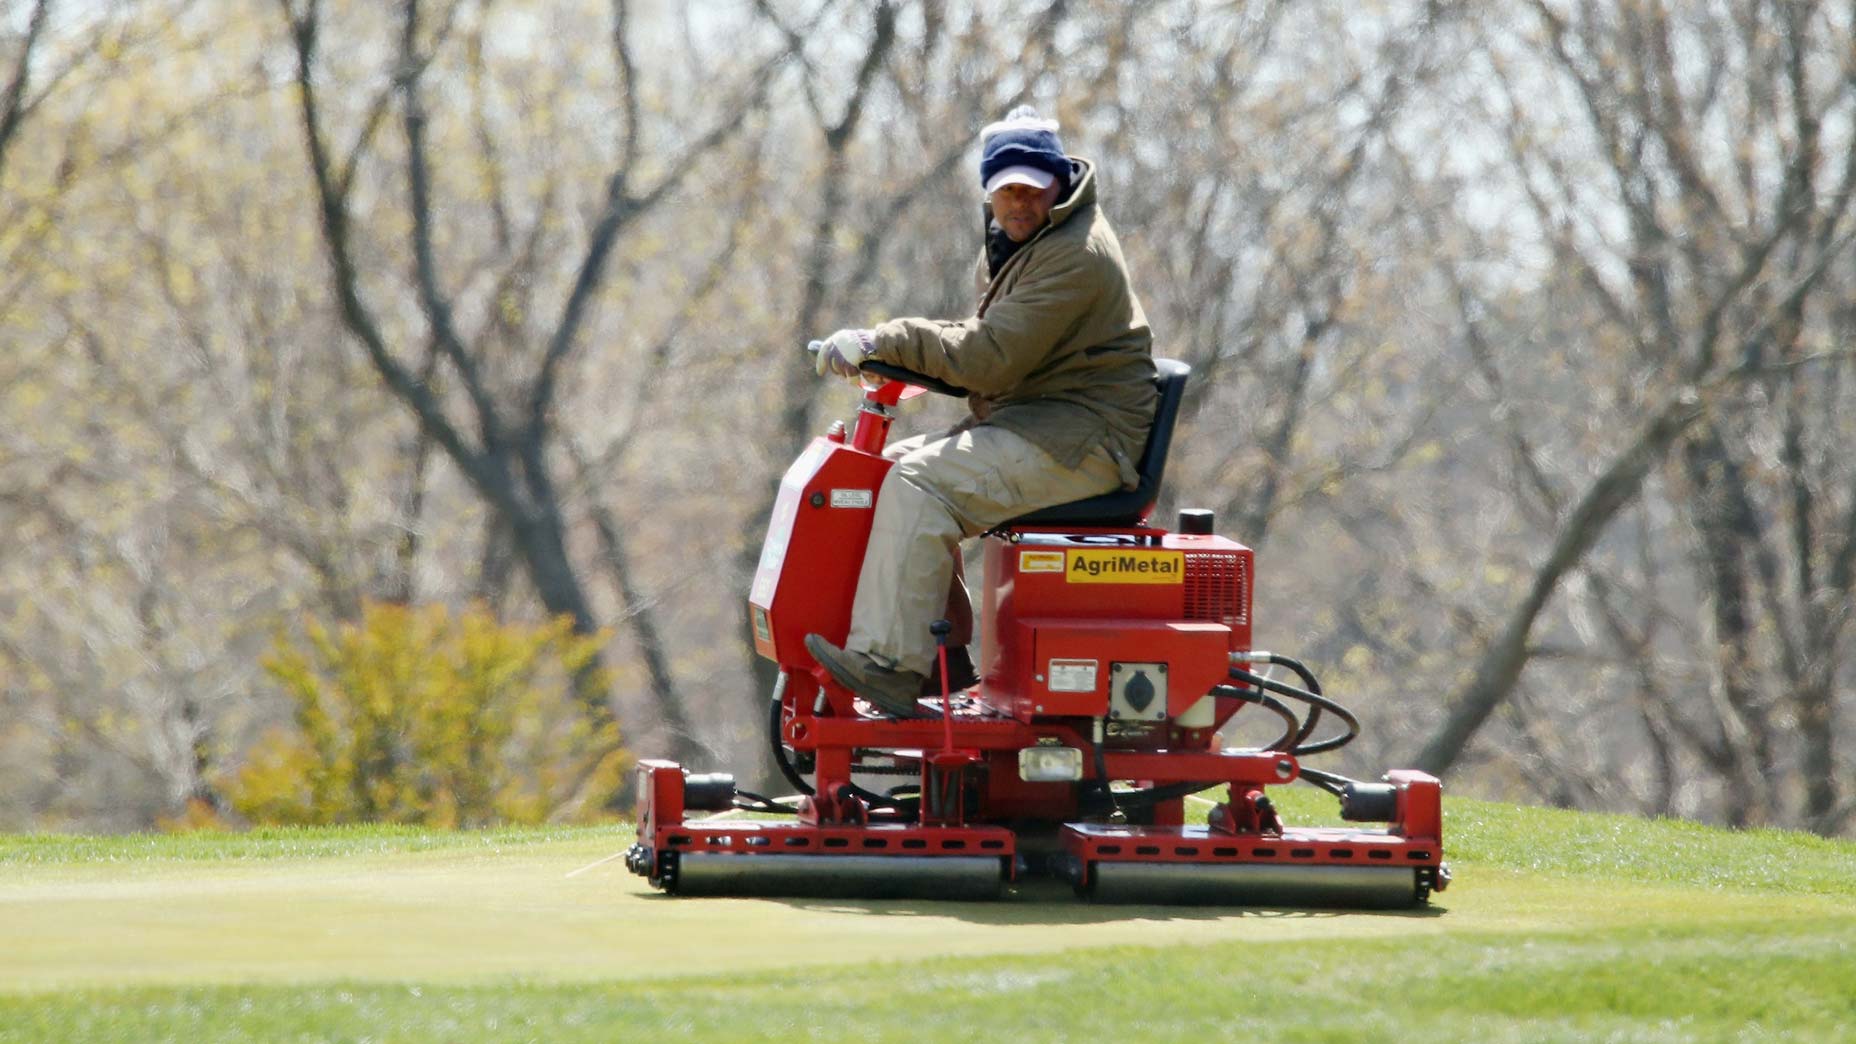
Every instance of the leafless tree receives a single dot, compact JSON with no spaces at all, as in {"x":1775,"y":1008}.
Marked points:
{"x":1719,"y":291}
{"x":501,"y":439}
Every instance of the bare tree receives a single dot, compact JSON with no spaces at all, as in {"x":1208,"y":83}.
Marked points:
{"x":16,"y":99}
{"x":504,"y":439}
{"x":1727,"y":261}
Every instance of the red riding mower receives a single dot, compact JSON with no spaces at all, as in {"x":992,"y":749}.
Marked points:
{"x":1113,"y":652}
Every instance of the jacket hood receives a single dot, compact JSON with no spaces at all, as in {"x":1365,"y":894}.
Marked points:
{"x":1082,"y":192}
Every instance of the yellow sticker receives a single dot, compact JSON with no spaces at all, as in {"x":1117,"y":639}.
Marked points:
{"x":1040,"y":561}
{"x":1127,"y":567}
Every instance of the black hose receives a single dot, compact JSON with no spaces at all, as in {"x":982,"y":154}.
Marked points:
{"x":1313,"y":700}
{"x":1311,"y":684}
{"x":748,"y":801}
{"x":1170,"y":791}
{"x":1328,"y":781}
{"x":1128,"y":799}
{"x":874,"y":799}
{"x":787,"y":769}
{"x":1296,"y":732}
{"x":1269,"y":703}
{"x":1104,"y":790}
{"x":779,"y":751}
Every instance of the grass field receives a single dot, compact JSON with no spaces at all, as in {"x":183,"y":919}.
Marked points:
{"x":1560,"y":926}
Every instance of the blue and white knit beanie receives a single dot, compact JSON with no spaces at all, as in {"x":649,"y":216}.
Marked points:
{"x":1021,"y":149}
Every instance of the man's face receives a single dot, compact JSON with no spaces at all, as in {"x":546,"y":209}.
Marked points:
{"x":1021,"y":210}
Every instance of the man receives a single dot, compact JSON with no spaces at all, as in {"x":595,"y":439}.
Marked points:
{"x":1058,"y":357}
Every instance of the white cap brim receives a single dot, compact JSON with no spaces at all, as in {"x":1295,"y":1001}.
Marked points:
{"x":1037,"y":179}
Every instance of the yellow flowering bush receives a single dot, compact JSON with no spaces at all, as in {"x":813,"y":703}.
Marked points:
{"x":417,"y":715}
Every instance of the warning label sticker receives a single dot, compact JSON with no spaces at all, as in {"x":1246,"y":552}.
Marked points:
{"x":1040,"y":561}
{"x":1126,"y":567}
{"x":1071,"y":675}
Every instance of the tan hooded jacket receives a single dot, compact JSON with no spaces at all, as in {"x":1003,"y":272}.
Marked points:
{"x":1059,"y":344}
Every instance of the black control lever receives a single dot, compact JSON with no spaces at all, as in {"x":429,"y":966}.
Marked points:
{"x":920,"y":380}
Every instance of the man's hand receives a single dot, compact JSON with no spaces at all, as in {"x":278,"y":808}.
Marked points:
{"x":843,"y":352}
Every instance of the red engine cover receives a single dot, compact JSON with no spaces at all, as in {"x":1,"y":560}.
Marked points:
{"x":1055,"y":603}
{"x":814,"y":550}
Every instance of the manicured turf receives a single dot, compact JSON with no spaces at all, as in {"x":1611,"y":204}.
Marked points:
{"x":1560,"y":926}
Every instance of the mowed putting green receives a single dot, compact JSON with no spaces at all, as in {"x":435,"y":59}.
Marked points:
{"x":1559,"y":926}
{"x":550,"y":906}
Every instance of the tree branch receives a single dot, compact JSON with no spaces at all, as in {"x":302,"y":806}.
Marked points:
{"x":482,"y":472}
{"x":621,"y":209}
{"x":13,"y":101}
{"x":432,"y":299}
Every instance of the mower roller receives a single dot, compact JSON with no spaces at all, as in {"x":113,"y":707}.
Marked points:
{"x":1113,"y":655}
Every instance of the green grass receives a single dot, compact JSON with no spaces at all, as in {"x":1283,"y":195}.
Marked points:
{"x":1560,"y":926}
{"x":269,"y":843}
{"x":1669,"y":985}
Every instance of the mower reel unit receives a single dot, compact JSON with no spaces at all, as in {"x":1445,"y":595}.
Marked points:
{"x":1113,"y":654}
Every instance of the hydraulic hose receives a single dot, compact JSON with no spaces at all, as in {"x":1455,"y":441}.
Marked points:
{"x":793,"y":776}
{"x":779,"y":749}
{"x":1269,"y":703}
{"x":1309,"y":682}
{"x":1332,"y":782}
{"x":748,"y":801}
{"x":874,"y":799}
{"x":1104,"y":790}
{"x":1313,"y":699}
{"x":1294,"y":738}
{"x":1133,"y":799}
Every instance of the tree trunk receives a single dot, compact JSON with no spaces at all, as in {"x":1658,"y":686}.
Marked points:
{"x":1501,"y":663}
{"x":1712,"y":474}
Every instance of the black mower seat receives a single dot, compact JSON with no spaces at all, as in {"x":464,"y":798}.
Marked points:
{"x":1127,"y":507}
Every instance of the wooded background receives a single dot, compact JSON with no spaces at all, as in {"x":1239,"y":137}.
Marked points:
{"x":1521,"y":336}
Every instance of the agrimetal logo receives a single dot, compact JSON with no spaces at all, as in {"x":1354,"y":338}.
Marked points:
{"x":1040,"y":561}
{"x":1126,"y":567}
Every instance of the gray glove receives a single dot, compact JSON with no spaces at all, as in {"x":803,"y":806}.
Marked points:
{"x":843,"y":352}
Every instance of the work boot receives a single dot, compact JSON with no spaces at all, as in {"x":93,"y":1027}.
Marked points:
{"x":891,"y":691}
{"x":960,"y":673}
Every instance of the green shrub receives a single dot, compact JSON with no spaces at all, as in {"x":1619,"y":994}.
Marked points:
{"x":414,"y":715}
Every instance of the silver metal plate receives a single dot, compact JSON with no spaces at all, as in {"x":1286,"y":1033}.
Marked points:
{"x":1250,"y":884}
{"x":963,"y":878}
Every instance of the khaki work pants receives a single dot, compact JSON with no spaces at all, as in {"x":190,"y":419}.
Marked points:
{"x":943,"y":490}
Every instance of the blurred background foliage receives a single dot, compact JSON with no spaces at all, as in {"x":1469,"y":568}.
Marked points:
{"x":1520,"y":331}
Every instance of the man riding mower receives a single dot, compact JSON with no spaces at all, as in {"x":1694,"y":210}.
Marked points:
{"x":1114,"y":654}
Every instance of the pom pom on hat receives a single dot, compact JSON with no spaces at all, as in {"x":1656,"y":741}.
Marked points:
{"x":1023,"y":118}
